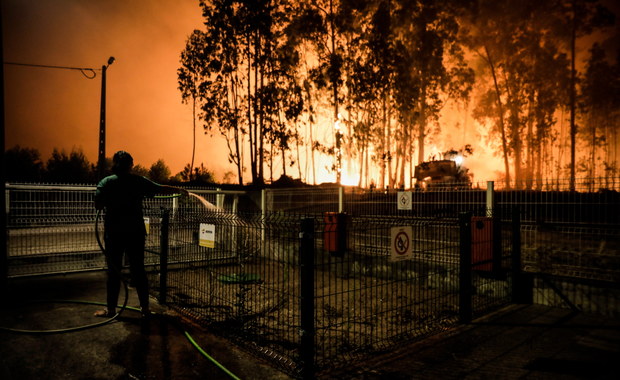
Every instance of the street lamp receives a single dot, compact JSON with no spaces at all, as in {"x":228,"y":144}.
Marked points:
{"x":101,"y":159}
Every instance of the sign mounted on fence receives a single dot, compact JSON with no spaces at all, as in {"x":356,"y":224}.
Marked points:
{"x":207,"y":235}
{"x":147,"y":224}
{"x":401,"y":243}
{"x":405,"y":200}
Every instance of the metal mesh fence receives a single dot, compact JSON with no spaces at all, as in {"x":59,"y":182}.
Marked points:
{"x":574,"y":233}
{"x":51,"y":228}
{"x":366,"y":302}
{"x":248,"y":283}
{"x":245,"y":280}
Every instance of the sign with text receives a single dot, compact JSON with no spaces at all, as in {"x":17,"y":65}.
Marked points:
{"x":401,"y":243}
{"x":207,"y":235}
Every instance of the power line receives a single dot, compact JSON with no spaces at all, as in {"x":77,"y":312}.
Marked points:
{"x":86,"y":71}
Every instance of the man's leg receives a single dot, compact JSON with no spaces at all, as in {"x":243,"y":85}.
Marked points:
{"x":114,"y":260}
{"x":135,"y":253}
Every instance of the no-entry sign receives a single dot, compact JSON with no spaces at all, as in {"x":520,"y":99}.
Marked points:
{"x":401,"y":243}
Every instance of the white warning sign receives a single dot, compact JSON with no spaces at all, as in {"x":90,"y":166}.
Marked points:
{"x":207,"y":235}
{"x":401,"y":243}
{"x":405,"y":200}
{"x":147,"y":224}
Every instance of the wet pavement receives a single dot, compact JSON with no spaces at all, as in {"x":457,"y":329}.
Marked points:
{"x":520,"y":342}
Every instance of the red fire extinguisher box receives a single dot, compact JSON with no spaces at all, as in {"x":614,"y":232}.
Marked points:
{"x":482,"y":243}
{"x":335,"y":233}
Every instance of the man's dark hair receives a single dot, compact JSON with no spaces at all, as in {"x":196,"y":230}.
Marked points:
{"x":122,"y":162}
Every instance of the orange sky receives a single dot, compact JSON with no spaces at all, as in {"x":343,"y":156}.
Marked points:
{"x":47,"y":108}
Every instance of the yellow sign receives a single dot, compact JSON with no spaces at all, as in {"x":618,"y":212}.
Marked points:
{"x":147,"y":224}
{"x":207,"y":235}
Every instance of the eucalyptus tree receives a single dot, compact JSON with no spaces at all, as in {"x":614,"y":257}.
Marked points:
{"x":526,"y":46}
{"x":546,"y":80}
{"x":370,"y":78}
{"x":503,"y":34}
{"x":240,"y":59}
{"x":579,"y":18}
{"x":190,"y":75}
{"x":322,"y":31}
{"x":208,"y":76}
{"x":600,"y":94}
{"x":430,"y":69}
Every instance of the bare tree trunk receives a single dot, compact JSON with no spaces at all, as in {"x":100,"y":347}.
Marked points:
{"x":191,"y":165}
{"x":251,"y":124}
{"x":389,"y":148}
{"x":384,"y":147}
{"x":422,"y":123}
{"x":500,"y":110}
{"x":238,"y":143}
{"x":529,"y":161}
{"x":573,"y":127}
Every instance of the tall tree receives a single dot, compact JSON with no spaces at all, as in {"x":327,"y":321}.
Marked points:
{"x":159,"y":172}
{"x":243,"y":86}
{"x":23,"y":164}
{"x":431,"y":69}
{"x":601,"y":110}
{"x":584,"y":16}
{"x":323,"y":33}
{"x":190,"y":76}
{"x":69,"y":168}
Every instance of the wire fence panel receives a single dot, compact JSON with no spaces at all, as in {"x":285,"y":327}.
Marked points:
{"x":51,"y":228}
{"x":434,"y":202}
{"x":366,"y":301}
{"x":244,"y":283}
{"x":304,"y":200}
{"x":247,"y":283}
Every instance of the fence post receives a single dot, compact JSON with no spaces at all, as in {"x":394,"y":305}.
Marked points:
{"x":219,"y":198}
{"x":465,"y":285}
{"x":341,"y":199}
{"x":521,"y":289}
{"x":163,"y":256}
{"x":4,"y":255}
{"x":306,"y":253}
{"x":495,"y":213}
{"x":490,"y":198}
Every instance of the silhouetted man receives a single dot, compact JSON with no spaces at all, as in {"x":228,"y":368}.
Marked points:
{"x":121,"y":196}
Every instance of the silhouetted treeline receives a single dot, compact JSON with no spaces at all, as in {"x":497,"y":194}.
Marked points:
{"x":25,"y":165}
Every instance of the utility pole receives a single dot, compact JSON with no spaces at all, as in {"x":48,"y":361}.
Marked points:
{"x":101,"y":159}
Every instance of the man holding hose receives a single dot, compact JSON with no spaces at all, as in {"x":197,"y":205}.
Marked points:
{"x":121,"y":196}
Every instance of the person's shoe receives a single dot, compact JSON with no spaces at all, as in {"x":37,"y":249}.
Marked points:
{"x":104,"y":313}
{"x":146,"y":313}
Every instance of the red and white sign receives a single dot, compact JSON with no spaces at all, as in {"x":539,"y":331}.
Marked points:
{"x":401,"y":243}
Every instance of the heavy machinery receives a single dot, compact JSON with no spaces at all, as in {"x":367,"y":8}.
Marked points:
{"x":442,"y":173}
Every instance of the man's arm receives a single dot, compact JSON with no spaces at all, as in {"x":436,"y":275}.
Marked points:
{"x":165,"y":189}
